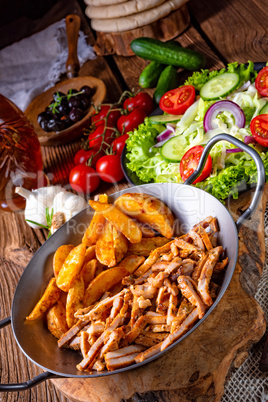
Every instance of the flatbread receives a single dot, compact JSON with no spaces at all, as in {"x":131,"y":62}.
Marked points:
{"x":123,"y":9}
{"x":136,"y":20}
{"x":98,"y":3}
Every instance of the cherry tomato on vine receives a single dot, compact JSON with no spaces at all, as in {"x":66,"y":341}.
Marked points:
{"x":98,"y":139}
{"x":109,"y":168}
{"x":82,"y":157}
{"x":142,"y":100}
{"x":119,"y":143}
{"x":261,"y":82}
{"x":84,"y":179}
{"x":259,"y":129}
{"x":98,"y":118}
{"x":177,"y":101}
{"x":189,"y":163}
{"x":131,"y":121}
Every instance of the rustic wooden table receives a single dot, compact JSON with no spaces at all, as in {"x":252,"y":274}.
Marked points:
{"x":224,"y":31}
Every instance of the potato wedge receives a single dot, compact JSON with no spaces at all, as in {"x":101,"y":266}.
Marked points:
{"x":120,"y":245}
{"x":75,"y":299}
{"x":111,"y":246}
{"x":145,"y":229}
{"x":90,"y":253}
{"x":50,"y":297}
{"x":94,"y":230}
{"x":119,"y":219}
{"x":102,"y":283}
{"x":71,"y":267}
{"x":96,"y":225}
{"x":148,"y":209}
{"x":103,"y":198}
{"x":60,"y":256}
{"x":147,"y":245}
{"x":88,"y":271}
{"x":63,"y":297}
{"x":56,"y":320}
{"x":131,"y":263}
{"x":100,"y":268}
{"x":105,"y":246}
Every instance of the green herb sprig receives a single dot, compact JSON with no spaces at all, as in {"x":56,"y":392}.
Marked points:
{"x":49,"y":216}
{"x":58,"y":99}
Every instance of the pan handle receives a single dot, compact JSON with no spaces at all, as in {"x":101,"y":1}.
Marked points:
{"x":27,"y":384}
{"x":260,"y":169}
{"x":22,"y":386}
{"x":4,"y":322}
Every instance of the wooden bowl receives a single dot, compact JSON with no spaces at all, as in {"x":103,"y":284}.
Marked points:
{"x":74,"y":132}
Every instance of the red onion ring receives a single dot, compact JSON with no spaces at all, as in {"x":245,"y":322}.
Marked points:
{"x":233,"y":150}
{"x":249,"y":140}
{"x":222,"y":106}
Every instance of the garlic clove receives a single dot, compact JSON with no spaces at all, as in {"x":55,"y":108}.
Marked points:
{"x":46,"y":195}
{"x":68,"y":203}
{"x":34,"y":210}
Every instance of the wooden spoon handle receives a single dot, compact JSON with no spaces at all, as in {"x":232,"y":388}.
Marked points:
{"x":73,"y":22}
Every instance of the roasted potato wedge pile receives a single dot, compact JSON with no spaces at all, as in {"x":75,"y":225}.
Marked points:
{"x":120,"y":297}
{"x":85,"y":273}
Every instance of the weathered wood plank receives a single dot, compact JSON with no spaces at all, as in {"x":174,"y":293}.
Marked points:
{"x":237,"y":29}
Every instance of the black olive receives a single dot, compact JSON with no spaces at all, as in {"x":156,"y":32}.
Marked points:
{"x":50,"y":124}
{"x":68,"y":122}
{"x":43,"y":125}
{"x":88,"y":91}
{"x":43,"y":116}
{"x":84,"y":102}
{"x":63,"y":109}
{"x":58,"y":125}
{"x":76,"y":114}
{"x":74,"y":102}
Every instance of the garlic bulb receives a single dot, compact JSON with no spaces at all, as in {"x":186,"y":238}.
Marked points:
{"x":68,"y":204}
{"x":37,"y":201}
{"x":64,"y":204}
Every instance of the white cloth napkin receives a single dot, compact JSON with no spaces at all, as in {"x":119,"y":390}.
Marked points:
{"x":34,"y":64}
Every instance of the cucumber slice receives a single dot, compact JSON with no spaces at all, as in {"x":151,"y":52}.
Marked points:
{"x":174,"y":149}
{"x":264,"y":109}
{"x":219,"y":86}
{"x":165,"y":118}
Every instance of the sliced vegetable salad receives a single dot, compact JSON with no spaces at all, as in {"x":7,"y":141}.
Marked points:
{"x":167,"y":148}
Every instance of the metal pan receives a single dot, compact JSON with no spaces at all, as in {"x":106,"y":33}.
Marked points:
{"x":189,"y":204}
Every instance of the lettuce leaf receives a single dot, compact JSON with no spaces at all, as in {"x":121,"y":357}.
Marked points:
{"x":142,"y":157}
{"x":233,"y":178}
{"x":245,"y":72}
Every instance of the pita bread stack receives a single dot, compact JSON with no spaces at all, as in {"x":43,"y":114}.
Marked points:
{"x":114,"y":19}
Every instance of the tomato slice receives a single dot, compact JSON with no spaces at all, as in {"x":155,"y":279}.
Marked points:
{"x":189,"y":163}
{"x":261,"y":82}
{"x":177,"y":101}
{"x":259,"y":129}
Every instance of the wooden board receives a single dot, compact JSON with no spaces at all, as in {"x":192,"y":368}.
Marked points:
{"x":164,"y":29}
{"x":198,"y":367}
